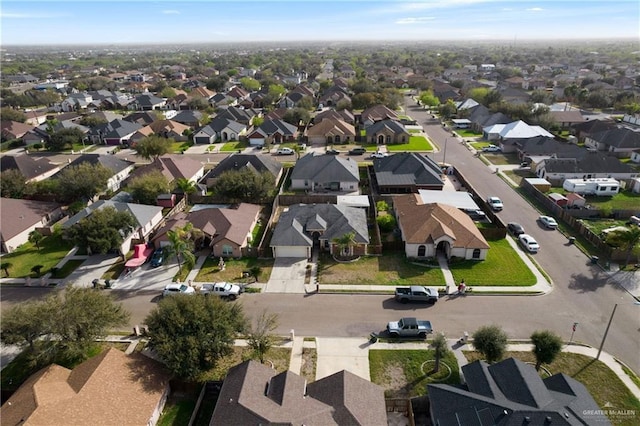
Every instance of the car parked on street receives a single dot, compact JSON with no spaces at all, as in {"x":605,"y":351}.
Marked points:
{"x":222,"y":289}
{"x":332,"y":152}
{"x":495,"y":203}
{"x":177,"y":288}
{"x":548,"y":222}
{"x":379,"y":155}
{"x":528,"y":243}
{"x":357,"y":151}
{"x":515,"y":228}
{"x":491,"y":148}
{"x":285,"y":151}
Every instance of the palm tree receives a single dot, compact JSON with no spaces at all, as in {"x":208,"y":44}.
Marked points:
{"x":627,"y":240}
{"x":187,"y":187}
{"x":344,"y":243}
{"x":181,"y":246}
{"x":440,"y":348}
{"x":36,"y":237}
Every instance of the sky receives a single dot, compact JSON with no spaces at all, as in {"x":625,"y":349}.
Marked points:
{"x":28,"y":22}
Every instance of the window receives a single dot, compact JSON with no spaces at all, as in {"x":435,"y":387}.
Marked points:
{"x":422,"y":250}
{"x":227,"y":250}
{"x":337,"y":138}
{"x":476,"y":253}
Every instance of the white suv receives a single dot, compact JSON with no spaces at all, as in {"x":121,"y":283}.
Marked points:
{"x":177,"y":288}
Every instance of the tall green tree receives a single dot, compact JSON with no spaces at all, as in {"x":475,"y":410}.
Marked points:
{"x":12,"y":183}
{"x":11,"y":114}
{"x":146,"y":188}
{"x":187,"y":187}
{"x":64,"y":139}
{"x":448,"y":109}
{"x":627,"y":240}
{"x":250,"y":84}
{"x":181,"y":245}
{"x":429,"y":99}
{"x":296,"y":116}
{"x":191,"y":333}
{"x":546,"y":347}
{"x":35,"y":237}
{"x":440,"y":348}
{"x":83,"y":181}
{"x":153,"y":147}
{"x":260,"y":337}
{"x":244,"y":185}
{"x":28,"y":322}
{"x":491,"y":341}
{"x":102,"y":231}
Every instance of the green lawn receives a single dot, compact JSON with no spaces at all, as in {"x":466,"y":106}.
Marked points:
{"x":233,"y":146}
{"x":598,"y":225}
{"x":52,"y":250}
{"x":465,"y":133}
{"x":67,"y":268}
{"x":479,"y":145}
{"x":178,"y":409}
{"x":502,"y":267}
{"x":179,"y":147}
{"x":210,"y":272}
{"x":416,"y":143}
{"x":256,"y":234}
{"x":603,"y":384}
{"x":625,"y":200}
{"x":390,"y":269}
{"x":401,"y":372}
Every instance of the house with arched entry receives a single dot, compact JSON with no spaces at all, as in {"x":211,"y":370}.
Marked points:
{"x":429,"y":230}
{"x":387,"y":132}
{"x":331,"y":131}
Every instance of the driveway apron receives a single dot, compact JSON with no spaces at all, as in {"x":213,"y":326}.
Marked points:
{"x":287,"y":275}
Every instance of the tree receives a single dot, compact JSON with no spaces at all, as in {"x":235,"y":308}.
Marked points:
{"x":12,"y":183}
{"x":168,"y":92}
{"x":546,"y":347}
{"x":491,"y":341}
{"x":344,"y":243}
{"x":261,"y":338}
{"x":64,"y":139}
{"x":187,"y":187}
{"x":102,"y":231}
{"x":71,"y":320}
{"x":152,"y":147}
{"x":35,"y":237}
{"x":244,"y":185}
{"x":296,"y":116}
{"x":429,"y":99}
{"x":181,"y":246}
{"x":92,"y":121}
{"x":250,"y":84}
{"x":217,"y":83}
{"x":146,"y":188}
{"x":82,"y":181}
{"x":11,"y":114}
{"x":5,"y":267}
{"x":386,"y":222}
{"x":191,"y":333}
{"x":627,"y":240}
{"x":448,"y":109}
{"x":440,"y":348}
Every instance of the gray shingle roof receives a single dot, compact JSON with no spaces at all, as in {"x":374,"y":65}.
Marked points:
{"x":592,"y":162}
{"x":111,"y":162}
{"x":258,"y":162}
{"x":29,"y":167}
{"x":394,"y":126}
{"x":407,"y":169}
{"x":326,"y":168}
{"x":141,"y":213}
{"x":619,"y":138}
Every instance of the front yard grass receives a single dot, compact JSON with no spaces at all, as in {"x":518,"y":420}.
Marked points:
{"x":517,"y":175}
{"x":502,"y":159}
{"x":179,"y":147}
{"x":502,"y":267}
{"x":52,"y":250}
{"x":416,"y":143}
{"x":466,"y":133}
{"x":601,"y":382}
{"x":67,"y":268}
{"x":210,"y":271}
{"x":233,"y":146}
{"x":390,"y":269}
{"x":399,"y":372}
{"x":277,"y":356}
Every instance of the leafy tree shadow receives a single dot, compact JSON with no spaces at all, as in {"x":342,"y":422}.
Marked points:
{"x":584,"y":283}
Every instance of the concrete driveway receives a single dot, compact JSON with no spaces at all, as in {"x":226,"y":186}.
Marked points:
{"x":287,"y":275}
{"x":148,"y":278}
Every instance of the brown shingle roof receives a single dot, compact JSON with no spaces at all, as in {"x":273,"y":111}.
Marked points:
{"x":426,"y":223}
{"x":331,"y":126}
{"x":18,"y":215}
{"x":110,"y":389}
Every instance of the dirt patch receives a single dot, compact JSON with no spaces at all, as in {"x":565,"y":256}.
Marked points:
{"x":309,"y":362}
{"x":396,"y":382}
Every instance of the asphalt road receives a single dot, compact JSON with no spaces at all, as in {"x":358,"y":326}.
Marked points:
{"x":582,"y":293}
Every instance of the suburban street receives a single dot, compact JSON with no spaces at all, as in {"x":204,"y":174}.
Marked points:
{"x":582,"y":292}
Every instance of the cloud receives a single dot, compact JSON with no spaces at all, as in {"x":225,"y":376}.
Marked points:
{"x":418,"y":20}
{"x":5,"y":15}
{"x":535,"y":9}
{"x":171,"y":12}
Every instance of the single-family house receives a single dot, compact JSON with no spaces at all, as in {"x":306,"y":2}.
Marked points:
{"x":566,"y":119}
{"x":300,"y":226}
{"x":116,"y":132}
{"x":147,"y":102}
{"x":330,"y":131}
{"x":86,"y":395}
{"x":220,"y":129}
{"x":514,"y":130}
{"x":619,"y":142}
{"x":481,"y":117}
{"x":257,"y":163}
{"x":147,"y":219}
{"x":273,"y":131}
{"x":543,"y":146}
{"x":344,"y":115}
{"x":512,"y":392}
{"x":591,"y":165}
{"x":591,"y":127}
{"x":238,"y":93}
{"x":377,"y":113}
{"x":221,"y":100}
{"x":291,"y":100}
{"x":323,"y":172}
{"x":244,"y":116}
{"x":429,"y":229}
{"x":407,"y":172}
{"x":173,"y":167}
{"x":33,"y":170}
{"x":120,"y":169}
{"x":387,"y":132}
{"x":143,"y":118}
{"x":333,"y":96}
{"x":19,"y":217}
{"x":253,"y":394}
{"x":190,"y":117}
{"x":164,"y":128}
{"x":14,"y":130}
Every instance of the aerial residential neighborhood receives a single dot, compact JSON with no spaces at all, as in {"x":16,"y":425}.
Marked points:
{"x":320,"y":233}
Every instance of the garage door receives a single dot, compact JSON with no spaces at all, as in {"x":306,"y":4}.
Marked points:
{"x":256,"y":141}
{"x":288,"y":251}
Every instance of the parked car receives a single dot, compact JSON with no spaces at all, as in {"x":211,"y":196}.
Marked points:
{"x":491,"y":148}
{"x":416,"y":293}
{"x":528,"y":243}
{"x":379,"y":155}
{"x":476,"y":214}
{"x":285,"y":151}
{"x":157,"y":258}
{"x":177,"y":288}
{"x":409,"y":327}
{"x":222,"y":289}
{"x":495,"y":203}
{"x":332,"y":152}
{"x":515,"y":228}
{"x":357,"y":151}
{"x":548,"y":222}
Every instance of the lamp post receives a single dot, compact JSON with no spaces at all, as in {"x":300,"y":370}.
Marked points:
{"x":606,"y":331}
